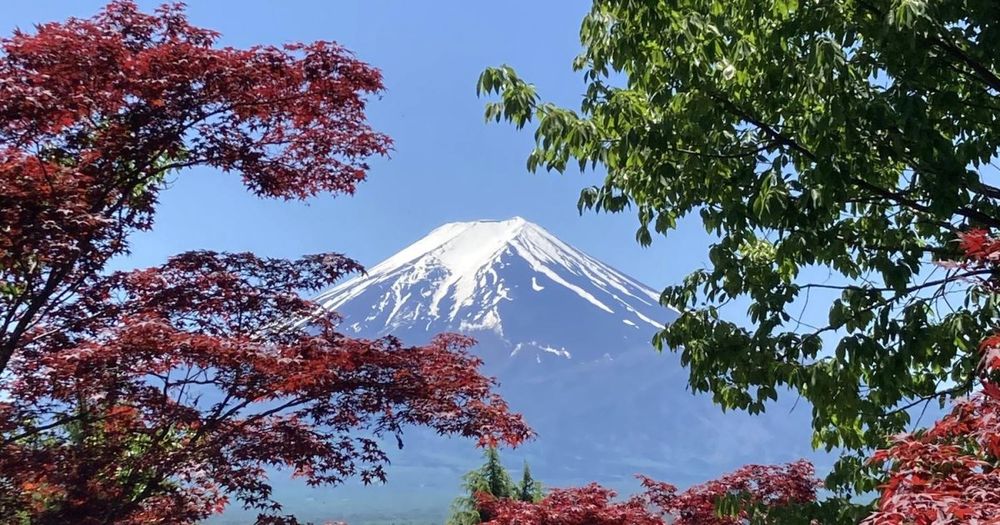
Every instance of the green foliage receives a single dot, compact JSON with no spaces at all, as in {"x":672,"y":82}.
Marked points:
{"x":491,"y":478}
{"x":529,"y":490}
{"x":830,"y":511}
{"x":463,"y":512}
{"x":834,"y":148}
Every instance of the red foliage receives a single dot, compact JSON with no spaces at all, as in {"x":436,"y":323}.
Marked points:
{"x":979,"y":248}
{"x":757,"y":488}
{"x":94,"y":113}
{"x":154,"y":396}
{"x":947,"y":475}
{"x":175,"y":387}
{"x":590,"y":505}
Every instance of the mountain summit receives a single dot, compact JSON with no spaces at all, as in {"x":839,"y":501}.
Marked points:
{"x":568,"y":338}
{"x":503,"y":280}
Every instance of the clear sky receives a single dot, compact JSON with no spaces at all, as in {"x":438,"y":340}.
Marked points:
{"x":448,"y":164}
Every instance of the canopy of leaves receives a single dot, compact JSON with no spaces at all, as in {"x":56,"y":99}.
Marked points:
{"x":948,"y":474}
{"x":835,"y":148}
{"x":156,"y":396}
{"x":746,"y":495}
{"x":173,"y":388}
{"x":751,"y":494}
{"x":590,"y":505}
{"x":94,"y":113}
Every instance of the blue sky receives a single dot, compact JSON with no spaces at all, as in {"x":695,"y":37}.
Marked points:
{"x":448,"y":165}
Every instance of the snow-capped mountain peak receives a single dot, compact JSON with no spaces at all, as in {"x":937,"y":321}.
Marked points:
{"x":568,"y":339}
{"x":483,"y":276}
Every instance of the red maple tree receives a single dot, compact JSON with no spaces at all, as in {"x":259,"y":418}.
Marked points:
{"x":156,"y":396}
{"x":95,"y":113}
{"x":175,"y":386}
{"x":948,"y":473}
{"x":590,"y":505}
{"x":751,"y":491}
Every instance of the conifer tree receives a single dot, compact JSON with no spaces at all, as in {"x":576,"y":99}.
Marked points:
{"x":491,"y":478}
{"x":497,"y":481}
{"x":529,"y":490}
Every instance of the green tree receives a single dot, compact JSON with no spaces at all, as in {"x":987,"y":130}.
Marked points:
{"x":834,"y":148}
{"x":529,"y":490}
{"x":491,"y":478}
{"x":494,"y":476}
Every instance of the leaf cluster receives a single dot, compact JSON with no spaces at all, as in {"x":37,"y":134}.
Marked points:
{"x":834,"y":150}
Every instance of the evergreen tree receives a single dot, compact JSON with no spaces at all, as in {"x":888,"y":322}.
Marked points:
{"x":529,"y":490}
{"x":491,"y":478}
{"x":497,"y":481}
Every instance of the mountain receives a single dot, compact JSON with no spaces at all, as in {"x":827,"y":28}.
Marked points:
{"x":509,"y":282}
{"x":568,"y":337}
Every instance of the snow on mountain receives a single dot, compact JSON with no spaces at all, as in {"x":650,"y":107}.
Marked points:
{"x":568,"y":337}
{"x":503,"y":278}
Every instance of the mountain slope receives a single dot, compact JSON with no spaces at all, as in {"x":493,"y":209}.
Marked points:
{"x":509,"y":282}
{"x":568,"y":337}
